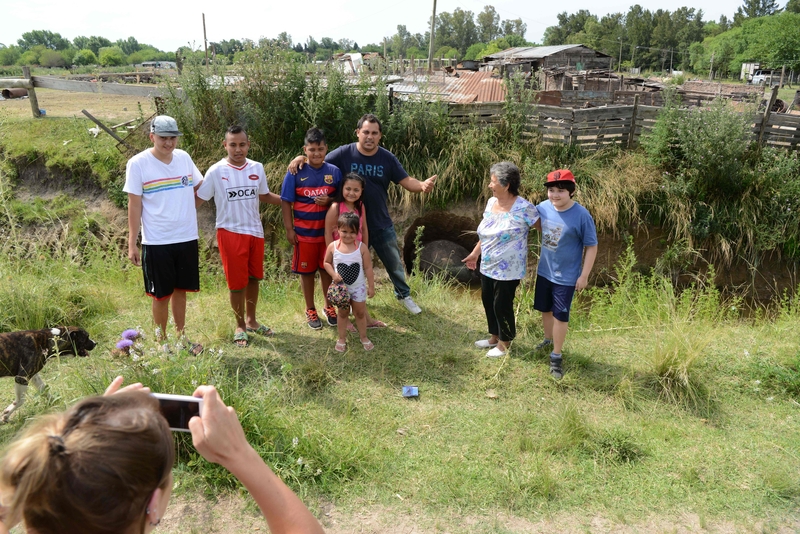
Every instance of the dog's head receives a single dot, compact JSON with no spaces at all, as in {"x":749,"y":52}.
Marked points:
{"x":72,"y":340}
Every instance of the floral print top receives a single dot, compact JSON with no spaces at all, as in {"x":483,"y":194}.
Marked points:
{"x":504,"y":239}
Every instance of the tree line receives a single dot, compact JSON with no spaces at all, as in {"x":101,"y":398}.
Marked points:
{"x":760,"y":30}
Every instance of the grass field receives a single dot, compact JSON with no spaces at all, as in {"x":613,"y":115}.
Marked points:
{"x":676,"y":414}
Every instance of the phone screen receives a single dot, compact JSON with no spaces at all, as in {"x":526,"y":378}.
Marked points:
{"x":178,"y":412}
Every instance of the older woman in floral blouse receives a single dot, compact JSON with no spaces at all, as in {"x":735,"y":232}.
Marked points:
{"x":503,"y":248}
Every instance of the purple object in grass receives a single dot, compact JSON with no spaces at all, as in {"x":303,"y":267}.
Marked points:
{"x":130,"y":333}
{"x":124,"y":344}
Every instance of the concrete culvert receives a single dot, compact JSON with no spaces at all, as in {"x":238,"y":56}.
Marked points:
{"x":446,"y":240}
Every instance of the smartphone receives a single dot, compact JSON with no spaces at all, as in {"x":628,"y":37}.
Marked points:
{"x":178,"y":409}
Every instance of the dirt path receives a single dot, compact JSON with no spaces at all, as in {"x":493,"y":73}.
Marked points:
{"x":235,"y":514}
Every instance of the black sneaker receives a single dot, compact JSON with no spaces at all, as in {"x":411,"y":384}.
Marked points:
{"x":556,"y":370}
{"x":313,"y":319}
{"x":330,"y":313}
{"x":545,"y":344}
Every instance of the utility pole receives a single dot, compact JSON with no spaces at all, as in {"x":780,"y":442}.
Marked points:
{"x":711,"y":68}
{"x":205,"y":40}
{"x":430,"y":48}
{"x":619,"y":63}
{"x":670,"y":61}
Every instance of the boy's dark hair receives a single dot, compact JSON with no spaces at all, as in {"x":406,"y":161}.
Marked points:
{"x":569,"y":186}
{"x":340,"y":195}
{"x":314,"y":136}
{"x":507,"y":174}
{"x":349,"y":220}
{"x":235,"y":129}
{"x":369,"y":117}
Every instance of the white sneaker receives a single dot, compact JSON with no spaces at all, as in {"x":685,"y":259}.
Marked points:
{"x":411,"y":305}
{"x":484,"y":344}
{"x":496,"y":353}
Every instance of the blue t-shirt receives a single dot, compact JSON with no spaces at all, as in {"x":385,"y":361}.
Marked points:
{"x":564,"y":236}
{"x":301,"y":189}
{"x":379,"y":171}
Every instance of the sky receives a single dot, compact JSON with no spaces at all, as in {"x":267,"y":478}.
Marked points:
{"x":168,"y":24}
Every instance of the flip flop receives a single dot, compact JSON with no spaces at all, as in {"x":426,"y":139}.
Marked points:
{"x":241,"y":339}
{"x":261,"y":331}
{"x":352,"y":328}
{"x":376,"y":324}
{"x":195,"y":349}
{"x":368,"y":345}
{"x":340,"y":347}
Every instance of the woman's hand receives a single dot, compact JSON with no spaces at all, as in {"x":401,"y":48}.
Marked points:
{"x":216,"y":433}
{"x":115,"y":387}
{"x":471,"y":261}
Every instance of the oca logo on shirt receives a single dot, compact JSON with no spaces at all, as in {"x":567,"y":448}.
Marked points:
{"x":241,"y":193}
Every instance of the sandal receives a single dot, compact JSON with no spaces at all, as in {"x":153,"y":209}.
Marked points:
{"x":340,"y":347}
{"x":241,"y":339}
{"x":352,"y":328}
{"x":261,"y":331}
{"x":368,"y":345}
{"x":195,"y":349}
{"x":376,"y":324}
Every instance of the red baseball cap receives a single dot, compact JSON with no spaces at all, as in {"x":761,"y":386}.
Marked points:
{"x":561,"y":175}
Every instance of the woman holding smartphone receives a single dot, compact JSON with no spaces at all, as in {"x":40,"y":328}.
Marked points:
{"x":105,"y":466}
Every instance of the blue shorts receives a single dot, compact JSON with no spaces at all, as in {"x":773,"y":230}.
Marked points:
{"x":550,"y":297}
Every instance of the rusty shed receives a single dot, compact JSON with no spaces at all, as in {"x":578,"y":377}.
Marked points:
{"x":550,"y":62}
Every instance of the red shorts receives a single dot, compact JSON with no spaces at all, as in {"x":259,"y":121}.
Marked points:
{"x":308,"y":257}
{"x":242,"y":258}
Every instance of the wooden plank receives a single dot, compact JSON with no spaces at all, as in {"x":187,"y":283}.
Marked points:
{"x":37,"y":112}
{"x":59,"y":84}
{"x":15,"y":83}
{"x":784,"y":120}
{"x":599,"y":114}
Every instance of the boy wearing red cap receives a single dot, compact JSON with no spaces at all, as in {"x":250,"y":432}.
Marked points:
{"x":568,"y":236}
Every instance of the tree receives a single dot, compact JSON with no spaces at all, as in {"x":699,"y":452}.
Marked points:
{"x":345,"y":44}
{"x":129,"y":45}
{"x":464,"y":29}
{"x":751,"y":9}
{"x":489,"y":24}
{"x":112,"y":56}
{"x":85,"y":57}
{"x":401,"y":41}
{"x":515,"y":40}
{"x":9,"y":55}
{"x":31,"y":57}
{"x":46,"y":38}
{"x":513,"y":27}
{"x":474,"y":51}
{"x":51,"y":58}
{"x":792,"y":6}
{"x":93,"y":43}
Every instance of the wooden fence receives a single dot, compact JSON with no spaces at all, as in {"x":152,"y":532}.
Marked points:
{"x":595,"y":128}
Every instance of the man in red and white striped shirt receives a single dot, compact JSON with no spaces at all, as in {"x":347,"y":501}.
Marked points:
{"x":237,"y":185}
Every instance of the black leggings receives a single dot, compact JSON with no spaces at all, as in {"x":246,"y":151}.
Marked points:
{"x":498,"y":303}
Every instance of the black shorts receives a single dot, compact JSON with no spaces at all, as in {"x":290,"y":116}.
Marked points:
{"x":170,"y":267}
{"x":550,"y":297}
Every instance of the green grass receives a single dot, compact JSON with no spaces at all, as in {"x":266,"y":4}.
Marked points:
{"x":669,"y":404}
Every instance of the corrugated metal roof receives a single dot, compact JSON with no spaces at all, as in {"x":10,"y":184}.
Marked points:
{"x":467,"y":87}
{"x":536,"y":52}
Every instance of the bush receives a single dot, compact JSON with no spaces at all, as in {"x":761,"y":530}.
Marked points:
{"x":112,"y":56}
{"x":85,"y":57}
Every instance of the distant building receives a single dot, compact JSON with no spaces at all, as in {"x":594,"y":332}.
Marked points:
{"x":158,"y":65}
{"x":550,"y":63}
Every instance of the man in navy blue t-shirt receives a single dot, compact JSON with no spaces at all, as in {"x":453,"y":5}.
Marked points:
{"x":379,"y":168}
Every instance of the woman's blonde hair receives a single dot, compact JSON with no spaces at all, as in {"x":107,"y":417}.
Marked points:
{"x":91,"y":469}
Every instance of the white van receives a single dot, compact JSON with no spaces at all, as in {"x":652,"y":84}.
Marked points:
{"x":761,"y":76}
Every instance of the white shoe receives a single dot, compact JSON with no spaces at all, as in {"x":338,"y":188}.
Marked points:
{"x":496,"y":353}
{"x":411,"y":305}
{"x":484,"y":344}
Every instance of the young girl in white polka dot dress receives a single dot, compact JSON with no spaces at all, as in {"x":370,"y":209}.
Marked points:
{"x":347,"y":260}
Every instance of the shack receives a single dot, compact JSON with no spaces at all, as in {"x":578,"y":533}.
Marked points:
{"x":549,"y":63}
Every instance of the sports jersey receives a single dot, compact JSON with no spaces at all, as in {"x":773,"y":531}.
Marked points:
{"x":235,"y":191}
{"x":167,"y":191}
{"x":301,"y":189}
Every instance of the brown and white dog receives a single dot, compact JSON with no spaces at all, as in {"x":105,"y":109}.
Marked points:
{"x":24,"y":353}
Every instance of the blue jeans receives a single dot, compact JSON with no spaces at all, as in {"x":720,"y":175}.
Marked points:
{"x":385,"y":244}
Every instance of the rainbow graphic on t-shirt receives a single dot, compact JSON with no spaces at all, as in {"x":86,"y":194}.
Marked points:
{"x":165,"y":184}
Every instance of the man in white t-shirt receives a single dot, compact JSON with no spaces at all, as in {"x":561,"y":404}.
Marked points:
{"x":160,"y":184}
{"x":237,"y":185}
